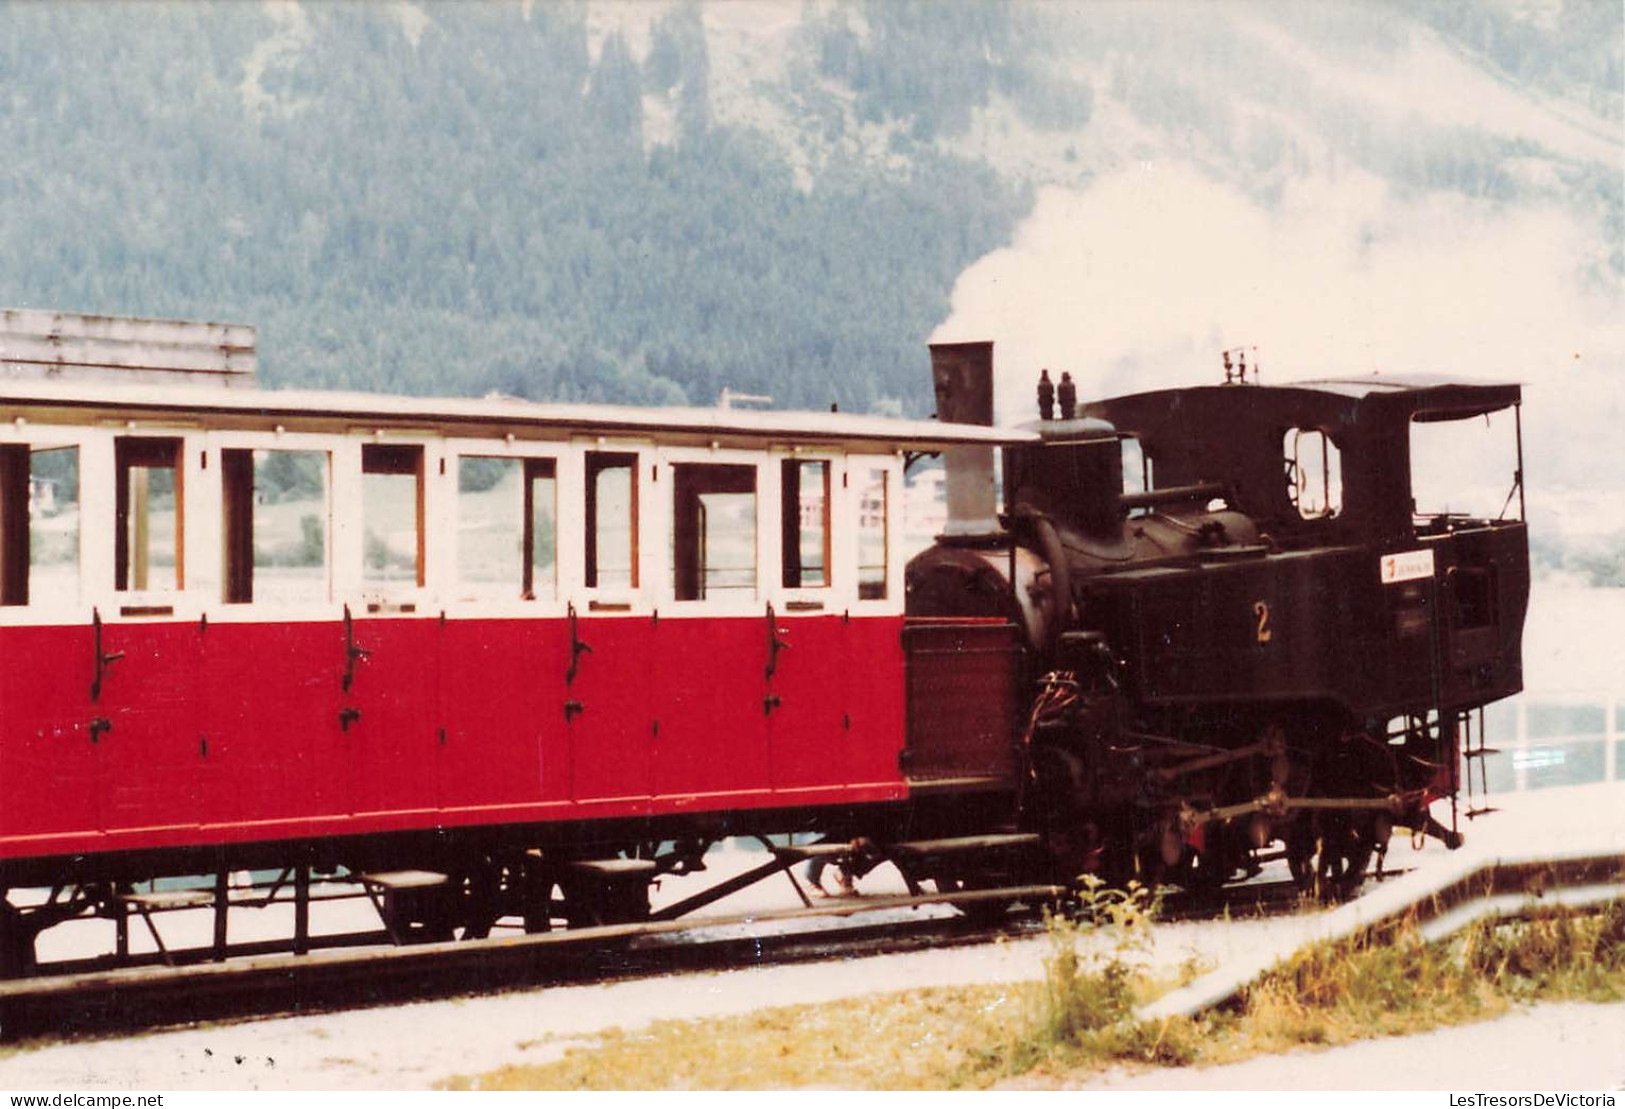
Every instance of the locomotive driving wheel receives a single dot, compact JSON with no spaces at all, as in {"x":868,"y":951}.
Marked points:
{"x":1328,"y":853}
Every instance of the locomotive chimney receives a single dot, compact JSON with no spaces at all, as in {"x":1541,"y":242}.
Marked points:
{"x":963,"y":376}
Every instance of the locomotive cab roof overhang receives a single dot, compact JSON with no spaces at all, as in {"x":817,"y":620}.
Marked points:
{"x":66,"y":401}
{"x":1428,"y":399}
{"x":1329,"y":403}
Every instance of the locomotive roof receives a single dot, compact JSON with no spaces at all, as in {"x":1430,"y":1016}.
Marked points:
{"x":234,"y":405}
{"x":1426,"y":398}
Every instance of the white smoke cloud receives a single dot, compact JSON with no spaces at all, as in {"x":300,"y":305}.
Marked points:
{"x":1139,"y":281}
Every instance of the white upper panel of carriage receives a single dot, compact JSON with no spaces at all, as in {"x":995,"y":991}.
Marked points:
{"x":426,"y":413}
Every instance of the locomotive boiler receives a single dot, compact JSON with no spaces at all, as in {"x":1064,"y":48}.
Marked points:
{"x":1237,"y":631}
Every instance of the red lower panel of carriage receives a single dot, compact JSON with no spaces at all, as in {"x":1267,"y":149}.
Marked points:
{"x":235,"y":732}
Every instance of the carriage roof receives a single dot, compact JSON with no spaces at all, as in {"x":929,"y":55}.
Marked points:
{"x":487,"y":415}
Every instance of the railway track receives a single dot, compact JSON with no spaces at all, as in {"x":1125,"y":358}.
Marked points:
{"x":98,"y":1002}
{"x":358,"y":971}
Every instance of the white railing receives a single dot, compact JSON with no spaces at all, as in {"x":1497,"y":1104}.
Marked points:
{"x":1550,"y":739}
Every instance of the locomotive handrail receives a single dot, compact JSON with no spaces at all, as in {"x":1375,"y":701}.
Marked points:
{"x":1174,"y":494}
{"x":1439,"y":901}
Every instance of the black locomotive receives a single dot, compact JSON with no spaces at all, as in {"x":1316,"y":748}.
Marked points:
{"x":1254,"y":639}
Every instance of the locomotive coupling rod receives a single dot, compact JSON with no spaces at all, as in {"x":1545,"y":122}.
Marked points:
{"x":1280,"y":806}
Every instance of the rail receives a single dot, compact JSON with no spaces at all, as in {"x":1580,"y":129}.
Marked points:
{"x":343,"y":978}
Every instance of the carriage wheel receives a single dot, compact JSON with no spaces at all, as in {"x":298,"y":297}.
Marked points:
{"x":16,"y":942}
{"x":983,"y":913}
{"x":423,"y":915}
{"x":589,"y":904}
{"x":535,"y":885}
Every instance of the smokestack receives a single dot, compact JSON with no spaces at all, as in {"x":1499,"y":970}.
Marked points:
{"x":963,"y":376}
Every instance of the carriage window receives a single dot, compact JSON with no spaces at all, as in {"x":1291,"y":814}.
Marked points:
{"x":392,"y":514}
{"x":805,"y":515}
{"x":714,"y":530}
{"x":275,"y":521}
{"x":148,"y":549}
{"x":1314,"y":473}
{"x":873,"y":491}
{"x":506,"y":510}
{"x":612,"y":520}
{"x":39,"y":524}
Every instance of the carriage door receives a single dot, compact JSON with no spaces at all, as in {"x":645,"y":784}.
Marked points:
{"x":502,"y":656}
{"x":146,"y":647}
{"x":712,"y":736}
{"x":45,"y":647}
{"x":389,"y":714}
{"x":808,"y":729}
{"x":606,"y":637}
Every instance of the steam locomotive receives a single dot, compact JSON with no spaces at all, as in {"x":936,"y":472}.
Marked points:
{"x":493,"y":662}
{"x":1253,"y":638}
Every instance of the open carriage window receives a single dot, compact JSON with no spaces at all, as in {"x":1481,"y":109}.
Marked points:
{"x":874,"y":488}
{"x":275,"y":520}
{"x":612,"y":520}
{"x":148,"y":543}
{"x":805,"y":518}
{"x":506,"y":527}
{"x":1314,"y":473}
{"x":39,"y":524}
{"x":392,"y":513}
{"x":713,"y":530}
{"x":1466,"y":468}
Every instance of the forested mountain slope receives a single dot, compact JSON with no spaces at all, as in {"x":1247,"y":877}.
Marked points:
{"x":649,"y":202}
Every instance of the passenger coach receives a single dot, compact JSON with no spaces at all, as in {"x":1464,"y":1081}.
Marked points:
{"x":254,"y":628}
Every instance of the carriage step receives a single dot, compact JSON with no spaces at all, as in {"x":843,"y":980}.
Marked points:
{"x":403,"y":879}
{"x":163,"y":900}
{"x":928,"y":847}
{"x":813,"y":850}
{"x":615,"y":868}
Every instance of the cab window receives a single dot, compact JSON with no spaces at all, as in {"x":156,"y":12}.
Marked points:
{"x":1314,"y":473}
